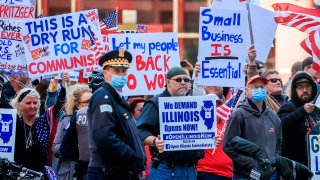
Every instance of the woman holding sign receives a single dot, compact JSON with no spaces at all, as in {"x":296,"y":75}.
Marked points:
{"x":33,"y":129}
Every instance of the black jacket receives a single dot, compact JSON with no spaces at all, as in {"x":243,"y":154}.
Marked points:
{"x":293,"y":118}
{"x":7,"y":93}
{"x":114,"y":139}
{"x":148,"y":125}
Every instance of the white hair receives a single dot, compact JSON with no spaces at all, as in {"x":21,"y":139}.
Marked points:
{"x":15,"y":101}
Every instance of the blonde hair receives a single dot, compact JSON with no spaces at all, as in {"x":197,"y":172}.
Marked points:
{"x":15,"y":101}
{"x":75,"y":96}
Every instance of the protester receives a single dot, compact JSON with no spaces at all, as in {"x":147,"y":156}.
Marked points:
{"x":217,"y":90}
{"x":136,"y":105}
{"x":116,"y":150}
{"x":307,"y":66}
{"x":42,"y":90}
{"x":296,"y":67}
{"x":253,"y":121}
{"x":32,"y":132}
{"x":274,"y":89}
{"x":12,"y":87}
{"x":65,"y":147}
{"x":295,"y":116}
{"x":35,"y":83}
{"x":169,"y":164}
{"x":215,"y":165}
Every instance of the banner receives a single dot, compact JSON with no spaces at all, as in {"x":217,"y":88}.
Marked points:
{"x":314,"y":155}
{"x":187,"y":122}
{"x":153,"y":55}
{"x":12,"y":54}
{"x":61,"y":43}
{"x":7,"y":133}
{"x":222,"y":47}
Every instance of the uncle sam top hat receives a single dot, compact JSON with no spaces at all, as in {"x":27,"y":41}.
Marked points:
{"x":116,"y":58}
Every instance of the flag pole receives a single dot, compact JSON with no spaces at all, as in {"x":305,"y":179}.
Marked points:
{"x":249,"y":21}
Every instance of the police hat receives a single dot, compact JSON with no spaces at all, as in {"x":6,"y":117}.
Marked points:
{"x":116,"y":58}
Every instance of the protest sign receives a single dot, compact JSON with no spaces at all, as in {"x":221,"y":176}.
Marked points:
{"x":12,"y":54}
{"x":263,"y":25}
{"x":18,"y":2}
{"x":8,"y":11}
{"x":187,"y":122}
{"x":314,"y":154}
{"x":62,"y":43}
{"x":74,"y":75}
{"x":222,"y":47}
{"x":153,"y":55}
{"x":7,"y":133}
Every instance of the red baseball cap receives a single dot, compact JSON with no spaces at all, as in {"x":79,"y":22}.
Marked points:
{"x":255,"y":78}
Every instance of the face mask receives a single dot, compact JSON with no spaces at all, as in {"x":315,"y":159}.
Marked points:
{"x":258,"y":95}
{"x":118,"y":82}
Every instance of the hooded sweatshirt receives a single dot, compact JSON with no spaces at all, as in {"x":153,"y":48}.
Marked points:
{"x":261,"y":128}
{"x":293,"y":118}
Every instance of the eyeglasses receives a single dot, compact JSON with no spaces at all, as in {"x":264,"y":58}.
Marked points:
{"x":274,"y":80}
{"x":302,"y":86}
{"x":85,"y":102}
{"x":179,"y":80}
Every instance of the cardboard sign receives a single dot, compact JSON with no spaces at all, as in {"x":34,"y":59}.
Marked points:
{"x":314,"y":155}
{"x":153,"y":55}
{"x":187,"y":122}
{"x":61,"y":43}
{"x":7,"y":133}
{"x":222,"y":47}
{"x":263,"y":25}
{"x":12,"y":53}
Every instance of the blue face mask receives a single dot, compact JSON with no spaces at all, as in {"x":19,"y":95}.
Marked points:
{"x":258,"y":95}
{"x":118,"y":82}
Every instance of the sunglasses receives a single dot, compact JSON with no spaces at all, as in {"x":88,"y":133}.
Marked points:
{"x":274,"y":80}
{"x":179,"y":80}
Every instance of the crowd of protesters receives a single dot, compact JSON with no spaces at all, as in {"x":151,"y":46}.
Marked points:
{"x":91,"y":131}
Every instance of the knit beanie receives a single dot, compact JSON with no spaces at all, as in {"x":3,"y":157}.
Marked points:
{"x":175,"y":71}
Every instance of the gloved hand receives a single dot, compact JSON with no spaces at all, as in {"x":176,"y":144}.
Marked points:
{"x":53,"y":86}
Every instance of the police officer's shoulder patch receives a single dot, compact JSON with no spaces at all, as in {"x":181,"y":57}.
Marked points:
{"x":105,"y":108}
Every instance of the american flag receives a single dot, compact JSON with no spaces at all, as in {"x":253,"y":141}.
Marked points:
{"x":312,"y":45}
{"x":303,"y":19}
{"x":110,"y":21}
{"x":224,"y":111}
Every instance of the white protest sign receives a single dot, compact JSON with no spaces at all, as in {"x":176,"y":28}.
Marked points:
{"x":263,"y":25}
{"x":18,"y":2}
{"x":16,"y":11}
{"x":74,"y":75}
{"x":314,"y":155}
{"x":12,"y":54}
{"x":61,"y":43}
{"x":187,"y":122}
{"x":222,"y":47}
{"x":7,"y":133}
{"x":153,"y":55}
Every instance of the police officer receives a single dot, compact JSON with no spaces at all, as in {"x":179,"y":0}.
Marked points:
{"x":116,"y":150}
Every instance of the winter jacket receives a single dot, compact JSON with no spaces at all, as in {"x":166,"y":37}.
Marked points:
{"x":293,"y":118}
{"x":261,"y":128}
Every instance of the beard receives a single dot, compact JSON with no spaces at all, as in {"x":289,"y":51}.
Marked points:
{"x":305,"y":98}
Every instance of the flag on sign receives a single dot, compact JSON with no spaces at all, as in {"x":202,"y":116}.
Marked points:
{"x":225,"y":110}
{"x":303,"y":19}
{"x":110,"y":21}
{"x":312,"y":45}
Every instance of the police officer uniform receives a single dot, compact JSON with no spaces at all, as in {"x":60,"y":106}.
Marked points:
{"x":116,"y":150}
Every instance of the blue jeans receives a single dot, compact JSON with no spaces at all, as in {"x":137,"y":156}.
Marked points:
{"x":164,"y":172}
